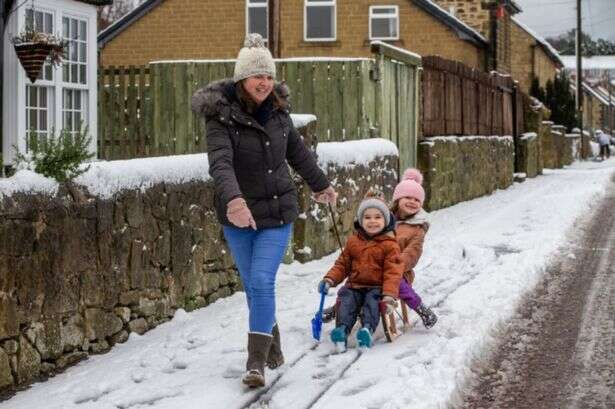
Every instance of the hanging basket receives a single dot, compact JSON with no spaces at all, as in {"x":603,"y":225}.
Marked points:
{"x":32,"y":57}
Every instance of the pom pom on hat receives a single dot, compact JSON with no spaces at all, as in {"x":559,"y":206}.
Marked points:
{"x":410,"y":186}
{"x":413,"y":174}
{"x":253,"y":59}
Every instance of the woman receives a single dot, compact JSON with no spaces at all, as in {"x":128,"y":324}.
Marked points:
{"x":250,"y":139}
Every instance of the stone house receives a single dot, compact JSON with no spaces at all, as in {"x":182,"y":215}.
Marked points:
{"x":62,"y":97}
{"x":193,"y":29}
{"x":532,"y":57}
{"x":493,"y":19}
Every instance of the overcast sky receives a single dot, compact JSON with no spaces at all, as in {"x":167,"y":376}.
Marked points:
{"x":552,"y":17}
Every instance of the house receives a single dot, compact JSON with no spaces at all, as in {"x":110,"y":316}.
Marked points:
{"x":532,"y":57}
{"x":493,"y":19}
{"x":598,"y":67}
{"x":194,"y":29}
{"x":62,"y":97}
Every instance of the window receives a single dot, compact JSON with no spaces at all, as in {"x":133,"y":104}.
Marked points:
{"x":384,"y":23}
{"x":319,"y":20}
{"x":73,"y":109}
{"x":257,"y":20}
{"x":41,"y":21}
{"x":39,"y":110}
{"x":74,"y":75}
{"x":75,"y":64}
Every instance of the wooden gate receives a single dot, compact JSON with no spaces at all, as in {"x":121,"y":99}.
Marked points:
{"x":399,"y":75}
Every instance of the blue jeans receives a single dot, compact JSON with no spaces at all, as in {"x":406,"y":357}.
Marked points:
{"x":352,"y":302}
{"x":258,"y":254}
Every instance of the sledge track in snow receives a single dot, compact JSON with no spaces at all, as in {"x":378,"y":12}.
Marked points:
{"x":263,"y":396}
{"x":445,"y":288}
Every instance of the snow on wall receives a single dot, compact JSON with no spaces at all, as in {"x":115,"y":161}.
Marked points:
{"x":27,"y":181}
{"x":301,"y":120}
{"x":104,"y":179}
{"x":360,"y":151}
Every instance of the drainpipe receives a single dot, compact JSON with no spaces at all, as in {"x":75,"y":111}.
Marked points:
{"x":273,"y":16}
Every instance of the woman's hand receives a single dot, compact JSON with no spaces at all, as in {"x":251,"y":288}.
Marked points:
{"x":329,"y":195}
{"x":238,"y":213}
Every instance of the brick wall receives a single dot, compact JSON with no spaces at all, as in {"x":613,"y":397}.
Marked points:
{"x":471,"y":12}
{"x":186,"y":29}
{"x":180,"y":29}
{"x":529,"y":59}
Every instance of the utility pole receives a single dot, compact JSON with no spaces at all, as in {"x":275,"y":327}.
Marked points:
{"x":610,"y":110}
{"x":579,"y":82}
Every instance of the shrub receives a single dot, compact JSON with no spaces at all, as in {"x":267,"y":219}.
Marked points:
{"x":58,"y":157}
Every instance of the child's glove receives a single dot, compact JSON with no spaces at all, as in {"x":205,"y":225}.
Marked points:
{"x":390,"y":302}
{"x":324,"y":285}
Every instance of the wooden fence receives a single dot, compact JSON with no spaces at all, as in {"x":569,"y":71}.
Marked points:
{"x":145,"y":111}
{"x":459,"y":100}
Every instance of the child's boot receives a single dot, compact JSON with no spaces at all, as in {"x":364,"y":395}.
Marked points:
{"x":427,"y":315}
{"x":364,"y":337}
{"x":338,"y":335}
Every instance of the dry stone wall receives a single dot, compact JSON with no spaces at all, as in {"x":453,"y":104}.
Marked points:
{"x":456,"y":169}
{"x":528,"y":155}
{"x":79,"y":273}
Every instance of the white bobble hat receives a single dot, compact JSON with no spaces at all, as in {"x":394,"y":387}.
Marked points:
{"x":253,"y":59}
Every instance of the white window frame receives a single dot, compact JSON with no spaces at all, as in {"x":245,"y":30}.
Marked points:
{"x":319,"y":3}
{"x":383,"y":16}
{"x":49,"y":109}
{"x":15,"y":80}
{"x":264,"y":5}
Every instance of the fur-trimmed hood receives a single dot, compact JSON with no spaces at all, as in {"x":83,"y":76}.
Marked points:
{"x":215,"y":96}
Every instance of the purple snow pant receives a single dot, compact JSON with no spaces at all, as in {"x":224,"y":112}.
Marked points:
{"x":407,"y":293}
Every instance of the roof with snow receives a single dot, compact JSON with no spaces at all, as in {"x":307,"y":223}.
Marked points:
{"x":603,"y":99}
{"x":461,"y":29}
{"x":551,"y":52}
{"x":599,"y":62}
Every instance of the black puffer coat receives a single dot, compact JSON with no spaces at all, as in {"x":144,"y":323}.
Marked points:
{"x":249,"y":160}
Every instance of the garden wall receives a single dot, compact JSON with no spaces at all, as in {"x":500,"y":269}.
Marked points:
{"x":83,"y":265}
{"x":463,"y":168}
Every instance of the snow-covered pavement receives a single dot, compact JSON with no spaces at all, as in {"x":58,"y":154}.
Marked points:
{"x":480,"y":256}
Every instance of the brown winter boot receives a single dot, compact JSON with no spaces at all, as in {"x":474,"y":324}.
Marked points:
{"x":258,"y":348}
{"x":275,"y":357}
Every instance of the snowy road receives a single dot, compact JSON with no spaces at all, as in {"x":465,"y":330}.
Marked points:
{"x":480,"y":258}
{"x":558,"y":351}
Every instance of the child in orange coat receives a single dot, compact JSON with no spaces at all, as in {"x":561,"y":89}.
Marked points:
{"x":370,"y":263}
{"x":410,"y":229}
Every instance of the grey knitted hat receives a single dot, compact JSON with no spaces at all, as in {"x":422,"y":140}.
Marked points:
{"x":375,"y":203}
{"x":253,"y":59}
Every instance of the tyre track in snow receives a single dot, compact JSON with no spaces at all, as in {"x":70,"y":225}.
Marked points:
{"x":557,"y":351}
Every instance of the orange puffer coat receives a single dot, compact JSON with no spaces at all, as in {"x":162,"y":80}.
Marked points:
{"x":369,"y":262}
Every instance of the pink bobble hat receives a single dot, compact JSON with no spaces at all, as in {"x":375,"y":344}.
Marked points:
{"x":410,"y":186}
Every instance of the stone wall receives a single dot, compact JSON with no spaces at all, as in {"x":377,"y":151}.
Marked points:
{"x":527,"y":155}
{"x":314,"y":235}
{"x":463,"y":168}
{"x":79,"y":273}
